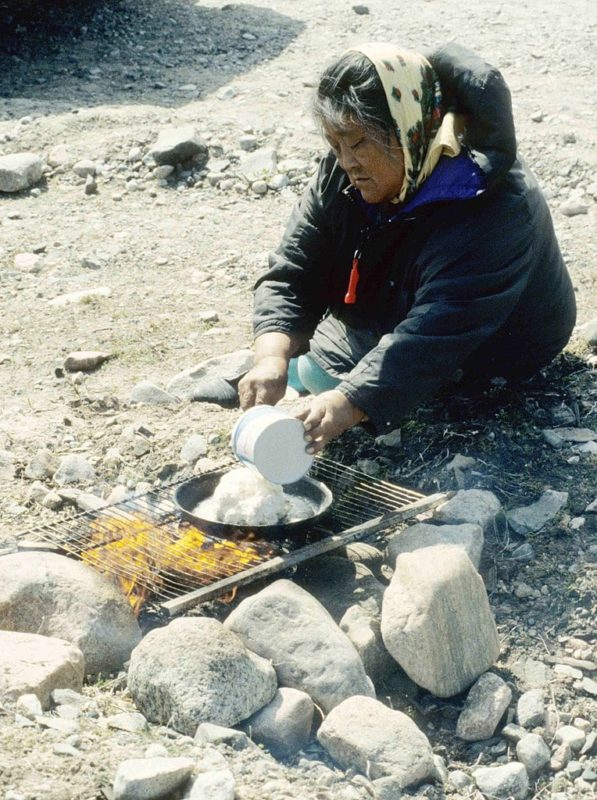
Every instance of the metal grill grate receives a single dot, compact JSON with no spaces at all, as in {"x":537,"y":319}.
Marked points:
{"x":157,"y":555}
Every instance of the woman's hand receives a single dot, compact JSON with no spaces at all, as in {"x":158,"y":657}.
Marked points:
{"x":328,"y":415}
{"x":265,"y":384}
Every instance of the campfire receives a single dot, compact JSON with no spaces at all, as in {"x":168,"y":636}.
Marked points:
{"x":156,"y":554}
{"x":144,"y":555}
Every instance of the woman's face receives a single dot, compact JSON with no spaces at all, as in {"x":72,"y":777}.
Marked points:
{"x":377,"y":171}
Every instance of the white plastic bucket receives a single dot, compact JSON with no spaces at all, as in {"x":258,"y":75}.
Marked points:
{"x":271,"y":442}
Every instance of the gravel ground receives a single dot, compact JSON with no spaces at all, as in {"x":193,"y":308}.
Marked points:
{"x":102,"y":79}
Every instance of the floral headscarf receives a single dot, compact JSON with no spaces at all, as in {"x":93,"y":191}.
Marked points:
{"x":414,"y":99}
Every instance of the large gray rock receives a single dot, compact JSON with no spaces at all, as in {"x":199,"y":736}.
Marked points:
{"x":363,"y":734}
{"x":33,"y":664}
{"x":468,"y":536}
{"x":150,"y":778}
{"x":285,"y":624}
{"x":476,"y":506}
{"x":19,"y":171}
{"x":485,"y":705}
{"x":193,"y":671}
{"x":436,"y":620}
{"x":56,"y":596}
{"x":178,"y":144}
{"x":228,"y":367}
{"x":528,"y":519}
{"x":284,"y":725}
{"x":507,"y":782}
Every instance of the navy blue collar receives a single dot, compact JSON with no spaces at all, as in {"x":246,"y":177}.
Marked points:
{"x":456,"y":178}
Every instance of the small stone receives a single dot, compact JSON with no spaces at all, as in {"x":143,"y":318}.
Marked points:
{"x":513,"y":733}
{"x":218,"y":784}
{"x":64,"y":726}
{"x":74,"y":469}
{"x":194,"y":448}
{"x":532,"y":751}
{"x":27,"y":262}
{"x":208,"y":733}
{"x":574,"y":207}
{"x":90,"y":185}
{"x":503,"y":782}
{"x":530,"y":709}
{"x":148,"y":393}
{"x":163,"y":171}
{"x":141,"y":778}
{"x":84,"y":168}
{"x":278,"y":182}
{"x":571,"y":736}
{"x":130,"y":721}
{"x":567,"y":671}
{"x":53,"y":501}
{"x":259,"y":187}
{"x":485,"y":705}
{"x":538,"y":116}
{"x":58,"y":156}
{"x":178,"y":144}
{"x":361,"y":10}
{"x":560,"y":757}
{"x":156,"y":750}
{"x":64,"y":749}
{"x":81,"y":296}
{"x":248,"y":142}
{"x":457,"y":779}
{"x":29,"y":706}
{"x":574,"y":769}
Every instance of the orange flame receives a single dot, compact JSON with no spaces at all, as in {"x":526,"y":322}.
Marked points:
{"x":143,"y":556}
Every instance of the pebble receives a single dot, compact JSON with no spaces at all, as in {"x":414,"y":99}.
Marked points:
{"x":530,"y":709}
{"x":571,"y":736}
{"x":84,"y":168}
{"x":131,"y":721}
{"x":506,"y":781}
{"x":29,"y":706}
{"x":574,"y":208}
{"x":259,"y":187}
{"x":63,"y":749}
{"x":194,"y":448}
{"x":156,"y":750}
{"x":513,"y":733}
{"x":28,"y":262}
{"x":532,"y":751}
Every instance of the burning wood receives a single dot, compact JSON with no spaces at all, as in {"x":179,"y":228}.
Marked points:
{"x":146,"y":556}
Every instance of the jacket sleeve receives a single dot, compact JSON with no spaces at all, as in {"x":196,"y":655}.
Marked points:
{"x":474,"y":88}
{"x":292,"y":296}
{"x":472,"y":278}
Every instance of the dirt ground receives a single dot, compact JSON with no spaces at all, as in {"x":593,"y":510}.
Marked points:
{"x":102,"y":78}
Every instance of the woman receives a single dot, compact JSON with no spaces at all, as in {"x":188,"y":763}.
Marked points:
{"x":422,"y":251}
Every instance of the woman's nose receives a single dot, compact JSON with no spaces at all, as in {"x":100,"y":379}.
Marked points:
{"x":347,"y":158}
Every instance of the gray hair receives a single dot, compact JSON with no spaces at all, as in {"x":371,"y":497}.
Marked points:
{"x":350,"y":92}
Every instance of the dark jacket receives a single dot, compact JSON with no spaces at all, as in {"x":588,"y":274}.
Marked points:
{"x":465,"y":276}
